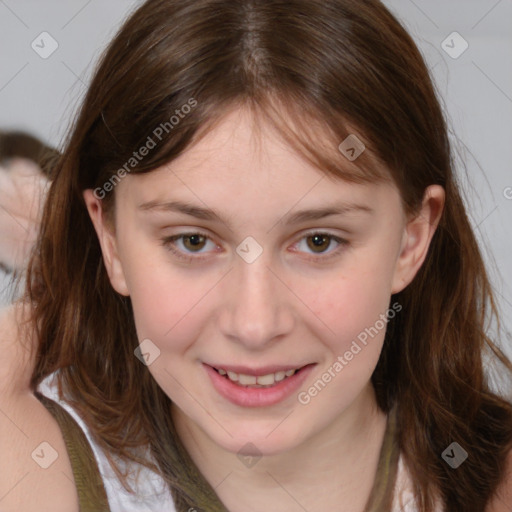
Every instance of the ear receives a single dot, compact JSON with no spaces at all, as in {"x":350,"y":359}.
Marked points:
{"x":417,"y":236}
{"x":108,"y":242}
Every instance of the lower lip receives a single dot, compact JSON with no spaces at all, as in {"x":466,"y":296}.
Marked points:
{"x":257,"y":397}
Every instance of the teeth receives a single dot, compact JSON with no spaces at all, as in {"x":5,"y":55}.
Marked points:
{"x":233,"y":376}
{"x":279,"y":376}
{"x":253,"y":381}
{"x":246,"y":380}
{"x":266,"y":380}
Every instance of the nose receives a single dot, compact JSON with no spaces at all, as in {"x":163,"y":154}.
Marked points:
{"x":256,"y":308}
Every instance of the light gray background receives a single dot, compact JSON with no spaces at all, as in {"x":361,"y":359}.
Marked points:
{"x":41,"y":95}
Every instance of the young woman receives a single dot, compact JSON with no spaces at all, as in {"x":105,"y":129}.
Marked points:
{"x":256,"y":287}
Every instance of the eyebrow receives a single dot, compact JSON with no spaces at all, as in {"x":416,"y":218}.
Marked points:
{"x":295,"y":218}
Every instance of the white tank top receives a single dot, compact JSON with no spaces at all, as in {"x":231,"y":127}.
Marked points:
{"x":152,"y":493}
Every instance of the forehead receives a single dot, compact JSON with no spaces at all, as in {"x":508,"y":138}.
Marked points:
{"x":244,"y":161}
{"x":240,"y":144}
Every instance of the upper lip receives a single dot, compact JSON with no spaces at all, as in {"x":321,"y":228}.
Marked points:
{"x":257,"y":372}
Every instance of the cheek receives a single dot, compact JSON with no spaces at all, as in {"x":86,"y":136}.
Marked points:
{"x":170,"y":309}
{"x":169,"y":304}
{"x":161,"y":303}
{"x":354,"y":300}
{"x":355,"y":307}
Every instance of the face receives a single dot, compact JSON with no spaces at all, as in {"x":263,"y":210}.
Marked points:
{"x":229,"y":283}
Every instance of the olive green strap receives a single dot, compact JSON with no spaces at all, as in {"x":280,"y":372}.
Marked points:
{"x":92,"y":496}
{"x":89,"y":484}
{"x":381,"y":497}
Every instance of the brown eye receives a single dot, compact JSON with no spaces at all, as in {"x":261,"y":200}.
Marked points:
{"x":320,"y":246}
{"x":188,"y":246}
{"x":193,"y":242}
{"x":319,"y":242}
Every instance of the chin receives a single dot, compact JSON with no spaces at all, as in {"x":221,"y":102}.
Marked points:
{"x":265,"y":440}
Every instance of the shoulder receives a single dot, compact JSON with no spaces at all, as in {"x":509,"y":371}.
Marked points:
{"x":35,"y":466}
{"x":35,"y":462}
{"x":502,"y":499}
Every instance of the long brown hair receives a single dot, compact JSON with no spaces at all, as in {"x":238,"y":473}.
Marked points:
{"x":336,"y":67}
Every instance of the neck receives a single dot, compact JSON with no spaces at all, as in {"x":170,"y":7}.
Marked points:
{"x":334,"y":468}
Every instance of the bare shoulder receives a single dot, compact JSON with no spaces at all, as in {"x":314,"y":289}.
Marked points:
{"x":502,"y":500}
{"x":35,"y":472}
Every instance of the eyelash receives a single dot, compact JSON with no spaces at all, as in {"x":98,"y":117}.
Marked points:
{"x":168,"y":243}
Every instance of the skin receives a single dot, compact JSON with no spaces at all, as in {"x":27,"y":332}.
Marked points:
{"x":283,"y":308}
{"x":22,"y":189}
{"x":24,"y":424}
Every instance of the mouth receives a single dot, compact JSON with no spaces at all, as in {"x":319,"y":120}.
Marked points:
{"x":257,"y":381}
{"x":249,"y":387}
